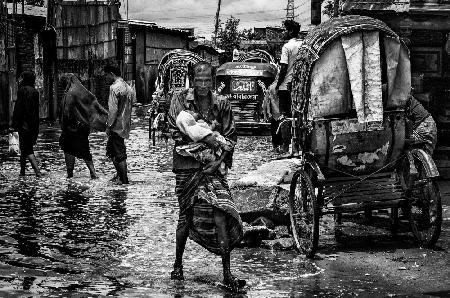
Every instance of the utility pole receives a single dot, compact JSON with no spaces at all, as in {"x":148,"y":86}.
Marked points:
{"x":290,"y":10}
{"x":216,"y":26}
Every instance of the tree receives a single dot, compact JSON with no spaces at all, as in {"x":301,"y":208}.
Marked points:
{"x":229,"y":37}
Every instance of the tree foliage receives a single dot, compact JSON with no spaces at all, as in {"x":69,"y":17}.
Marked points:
{"x":228,"y":36}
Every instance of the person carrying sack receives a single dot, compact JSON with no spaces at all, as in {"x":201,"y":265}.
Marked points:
{"x":80,"y":112}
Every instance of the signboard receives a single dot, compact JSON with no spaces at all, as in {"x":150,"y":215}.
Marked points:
{"x":243,"y":85}
{"x":240,"y":96}
{"x":245,"y":72}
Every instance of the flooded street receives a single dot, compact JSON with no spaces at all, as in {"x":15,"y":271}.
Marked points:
{"x":82,"y":237}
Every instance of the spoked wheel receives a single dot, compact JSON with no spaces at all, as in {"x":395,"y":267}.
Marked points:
{"x":304,"y":213}
{"x":424,"y":208}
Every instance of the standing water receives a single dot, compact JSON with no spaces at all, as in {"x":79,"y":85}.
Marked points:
{"x":65,"y":237}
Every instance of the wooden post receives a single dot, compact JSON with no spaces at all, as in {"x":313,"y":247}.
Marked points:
{"x":316,"y":17}
{"x":49,"y":66}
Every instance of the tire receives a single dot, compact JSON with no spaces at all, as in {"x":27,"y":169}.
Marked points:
{"x":304,"y":213}
{"x":424,"y":208}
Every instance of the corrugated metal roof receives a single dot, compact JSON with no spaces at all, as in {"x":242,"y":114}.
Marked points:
{"x":396,"y":6}
{"x":153,"y":26}
{"x":30,"y":10}
{"x":374,"y":5}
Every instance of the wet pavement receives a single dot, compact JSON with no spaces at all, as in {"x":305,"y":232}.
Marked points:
{"x":81,"y":237}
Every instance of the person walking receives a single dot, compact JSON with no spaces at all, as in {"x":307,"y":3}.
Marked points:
{"x":207,"y":212}
{"x":272,"y":113}
{"x":80,"y":112}
{"x":288,"y":55}
{"x":120,"y":101}
{"x":423,"y":126}
{"x":26,"y":121}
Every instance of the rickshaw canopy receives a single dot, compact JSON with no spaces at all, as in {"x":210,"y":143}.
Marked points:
{"x":351,"y":62}
{"x":256,"y":55}
{"x":247,"y":69}
{"x":174,"y":68}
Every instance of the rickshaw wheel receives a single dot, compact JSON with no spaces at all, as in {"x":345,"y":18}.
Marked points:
{"x":424,"y":208}
{"x":304,"y":213}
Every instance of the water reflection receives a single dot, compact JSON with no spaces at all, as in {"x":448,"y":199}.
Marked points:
{"x":64,"y":237}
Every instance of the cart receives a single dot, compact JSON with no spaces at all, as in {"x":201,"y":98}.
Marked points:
{"x":244,"y":83}
{"x":173,"y":74}
{"x":351,"y":81}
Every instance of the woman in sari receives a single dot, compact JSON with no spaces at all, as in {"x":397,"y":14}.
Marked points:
{"x":80,"y":112}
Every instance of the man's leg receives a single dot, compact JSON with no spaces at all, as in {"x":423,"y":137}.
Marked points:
{"x":182,"y":234}
{"x":90,"y":165}
{"x":23,"y":164}
{"x":221,"y":220}
{"x":33,"y":162}
{"x":276,"y":140}
{"x":122,"y":171}
{"x":285,"y":110}
{"x":70,"y":164}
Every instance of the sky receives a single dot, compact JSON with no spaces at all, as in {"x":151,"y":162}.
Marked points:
{"x":200,"y":14}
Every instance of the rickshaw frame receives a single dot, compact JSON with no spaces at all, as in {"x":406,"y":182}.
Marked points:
{"x":407,"y":182}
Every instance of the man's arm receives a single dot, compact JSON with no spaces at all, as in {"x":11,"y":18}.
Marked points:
{"x":281,"y":75}
{"x":112,"y":109}
{"x":18,"y":112}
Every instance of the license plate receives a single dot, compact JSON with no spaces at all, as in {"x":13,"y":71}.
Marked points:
{"x":243,"y":86}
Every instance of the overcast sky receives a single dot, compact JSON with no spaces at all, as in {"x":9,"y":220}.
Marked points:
{"x":200,"y":14}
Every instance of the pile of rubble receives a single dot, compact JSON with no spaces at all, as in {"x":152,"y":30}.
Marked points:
{"x":262,"y":200}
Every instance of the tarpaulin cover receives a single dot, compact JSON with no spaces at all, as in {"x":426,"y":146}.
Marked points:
{"x":398,"y":72}
{"x":330,"y":86}
{"x":362,"y":53}
{"x":319,"y":68}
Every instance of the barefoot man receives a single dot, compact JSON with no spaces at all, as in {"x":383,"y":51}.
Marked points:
{"x":208,"y":214}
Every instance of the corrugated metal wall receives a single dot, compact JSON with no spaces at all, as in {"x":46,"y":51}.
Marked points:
{"x":86,"y":41}
{"x":86,"y":30}
{"x":151,"y":45}
{"x":8,"y":86}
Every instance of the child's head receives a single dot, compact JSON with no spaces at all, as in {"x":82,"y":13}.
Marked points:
{"x":194,"y":114}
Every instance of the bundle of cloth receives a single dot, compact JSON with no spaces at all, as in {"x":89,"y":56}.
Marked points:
{"x":80,"y":113}
{"x":189,"y":123}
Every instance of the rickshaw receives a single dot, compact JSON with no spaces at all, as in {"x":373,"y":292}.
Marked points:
{"x":173,"y":74}
{"x":244,"y":83}
{"x":351,"y":81}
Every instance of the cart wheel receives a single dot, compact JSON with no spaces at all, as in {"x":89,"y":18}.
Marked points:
{"x":304,"y":213}
{"x":424,"y":208}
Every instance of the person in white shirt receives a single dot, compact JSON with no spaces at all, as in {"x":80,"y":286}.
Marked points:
{"x":288,"y":55}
